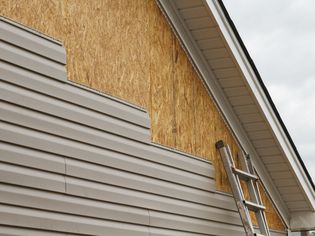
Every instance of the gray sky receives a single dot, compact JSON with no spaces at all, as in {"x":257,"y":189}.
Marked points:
{"x":280,"y":37}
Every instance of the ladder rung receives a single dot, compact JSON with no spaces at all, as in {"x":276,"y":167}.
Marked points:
{"x":244,"y":175}
{"x":253,"y":206}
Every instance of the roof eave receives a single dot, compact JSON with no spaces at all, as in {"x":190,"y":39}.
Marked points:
{"x":263,"y":97}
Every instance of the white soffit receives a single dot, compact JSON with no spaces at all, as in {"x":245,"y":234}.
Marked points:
{"x":215,"y":52}
{"x":263,"y":103}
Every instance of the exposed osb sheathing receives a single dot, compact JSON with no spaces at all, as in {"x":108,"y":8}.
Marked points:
{"x":126,"y":48}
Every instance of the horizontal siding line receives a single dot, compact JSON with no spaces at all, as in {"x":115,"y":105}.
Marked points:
{"x":216,"y":215}
{"x":76,"y":214}
{"x":144,"y":200}
{"x":24,"y":59}
{"x":25,"y":69}
{"x":35,"y":52}
{"x":30,"y":157}
{"x":73,"y":146}
{"x":87,"y":160}
{"x":31,"y":103}
{"x":72,"y":205}
{"x":56,"y":195}
{"x":156,"y":231}
{"x":188,"y":182}
{"x":27,"y":29}
{"x":129,"y":213}
{"x":8,"y":162}
{"x":64,"y":194}
{"x":216,"y":202}
{"x":8,"y":108}
{"x":98,"y":93}
{"x":60,"y":60}
{"x":67,"y":223}
{"x":94,"y":190}
{"x":74,"y":170}
{"x":18,"y":231}
{"x":189,"y":224}
{"x":73,"y":93}
{"x":17,"y":175}
{"x":168,"y":180}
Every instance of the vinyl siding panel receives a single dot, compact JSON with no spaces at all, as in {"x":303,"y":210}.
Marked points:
{"x":75,"y":162}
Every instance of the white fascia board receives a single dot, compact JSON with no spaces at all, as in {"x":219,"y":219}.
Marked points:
{"x":302,"y":221}
{"x":262,"y":99}
{"x":223,"y":104}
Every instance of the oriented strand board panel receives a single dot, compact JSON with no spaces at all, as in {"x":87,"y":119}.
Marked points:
{"x":184,"y":101}
{"x":272,"y":216}
{"x":161,"y":101}
{"x":126,"y":49}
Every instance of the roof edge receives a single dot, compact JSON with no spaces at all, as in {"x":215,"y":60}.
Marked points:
{"x":251,"y":62}
{"x":264,"y":88}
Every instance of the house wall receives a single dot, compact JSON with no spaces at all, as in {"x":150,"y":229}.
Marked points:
{"x":126,"y":49}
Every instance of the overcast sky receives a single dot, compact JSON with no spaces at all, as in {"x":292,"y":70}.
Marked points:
{"x":280,"y":37}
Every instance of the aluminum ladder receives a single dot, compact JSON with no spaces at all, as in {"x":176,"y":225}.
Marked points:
{"x":248,"y":175}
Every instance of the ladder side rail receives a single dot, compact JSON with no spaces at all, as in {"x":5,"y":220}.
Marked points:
{"x":262,"y":220}
{"x":228,"y":163}
{"x":254,"y":194}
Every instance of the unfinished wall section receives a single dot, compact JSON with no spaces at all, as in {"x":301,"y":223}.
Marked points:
{"x":127,"y":49}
